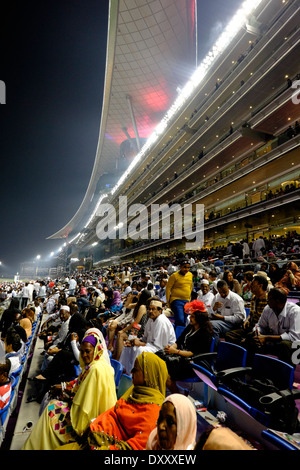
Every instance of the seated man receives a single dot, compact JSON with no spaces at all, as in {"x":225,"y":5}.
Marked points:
{"x":126,"y":290}
{"x":205,"y":294}
{"x":13,"y":346}
{"x":277,"y":330}
{"x":159,"y":332}
{"x":5,"y":383}
{"x":228,"y":311}
{"x":161,"y":292}
{"x":259,"y":287}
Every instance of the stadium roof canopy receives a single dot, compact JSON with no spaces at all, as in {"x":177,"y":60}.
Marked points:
{"x":150,"y":54}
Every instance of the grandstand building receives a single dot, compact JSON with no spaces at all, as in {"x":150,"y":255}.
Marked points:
{"x":222,"y":133}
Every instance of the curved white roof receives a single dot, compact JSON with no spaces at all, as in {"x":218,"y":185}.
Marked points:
{"x":150,"y":53}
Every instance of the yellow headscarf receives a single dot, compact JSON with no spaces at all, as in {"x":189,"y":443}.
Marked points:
{"x":98,"y":352}
{"x":155,"y":373}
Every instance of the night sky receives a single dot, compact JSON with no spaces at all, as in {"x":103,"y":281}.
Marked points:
{"x":52,"y":62}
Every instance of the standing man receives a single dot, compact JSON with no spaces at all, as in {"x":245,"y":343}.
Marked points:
{"x":25,"y":295}
{"x":178,"y":292}
{"x":72,"y":286}
{"x":258,"y":246}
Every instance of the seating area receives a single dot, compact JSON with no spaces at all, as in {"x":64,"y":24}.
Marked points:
{"x":17,"y":376}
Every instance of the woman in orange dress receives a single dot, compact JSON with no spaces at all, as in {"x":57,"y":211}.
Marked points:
{"x":128,"y":424}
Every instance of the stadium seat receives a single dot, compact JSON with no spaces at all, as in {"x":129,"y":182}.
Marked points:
{"x":179,"y":330}
{"x":219,"y":364}
{"x":118,"y":367}
{"x":17,"y":372}
{"x":277,"y":441}
{"x":124,"y":385}
{"x":264,"y":367}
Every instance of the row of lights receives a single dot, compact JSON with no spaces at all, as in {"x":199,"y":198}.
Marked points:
{"x":224,"y":40}
{"x":221,"y":44}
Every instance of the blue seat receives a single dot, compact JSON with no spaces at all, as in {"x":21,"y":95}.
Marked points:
{"x":196,"y":379}
{"x":124,"y":385}
{"x":17,"y":372}
{"x":223,"y":362}
{"x":178,"y":330}
{"x":264,"y":367}
{"x":118,"y":367}
{"x":277,"y":441}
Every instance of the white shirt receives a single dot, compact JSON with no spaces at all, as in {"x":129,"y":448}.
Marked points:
{"x":158,"y":333}
{"x":72,"y":284}
{"x":62,"y":333}
{"x":207,"y":299}
{"x":287,"y":324}
{"x":233,"y":308}
{"x":26,"y":292}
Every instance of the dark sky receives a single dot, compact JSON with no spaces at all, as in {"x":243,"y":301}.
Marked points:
{"x":53,"y":62}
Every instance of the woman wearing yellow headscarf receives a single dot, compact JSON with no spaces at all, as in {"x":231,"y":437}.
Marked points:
{"x":127,"y":425}
{"x":93,"y":392}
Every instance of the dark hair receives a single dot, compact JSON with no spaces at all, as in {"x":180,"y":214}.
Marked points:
{"x":278,"y":294}
{"x":249,"y":275}
{"x":213,"y":274}
{"x":5,"y":366}
{"x":143,"y":299}
{"x":183,"y":262}
{"x":225,"y":279}
{"x":13,"y":338}
{"x":202,"y":319}
{"x":262,"y":280}
{"x":222,"y":284}
{"x":21,"y":331}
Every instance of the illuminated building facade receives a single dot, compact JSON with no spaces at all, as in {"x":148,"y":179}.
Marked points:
{"x":228,"y":139}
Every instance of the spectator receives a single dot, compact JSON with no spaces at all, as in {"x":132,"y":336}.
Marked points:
{"x":159,"y":332}
{"x":64,"y":420}
{"x":5,"y":383}
{"x":291,"y":279}
{"x":220,"y":438}
{"x":275,"y":273}
{"x":228,"y":311}
{"x":259,"y":287}
{"x":128,"y":424}
{"x":205,"y":294}
{"x":232,"y":283}
{"x":139,"y":317}
{"x":13,"y":345}
{"x":195,"y":339}
{"x":277,"y":328}
{"x":178,"y":292}
{"x":176,"y":425}
{"x":246,"y":286}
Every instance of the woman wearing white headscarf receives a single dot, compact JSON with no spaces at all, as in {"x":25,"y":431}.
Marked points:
{"x":176,"y":425}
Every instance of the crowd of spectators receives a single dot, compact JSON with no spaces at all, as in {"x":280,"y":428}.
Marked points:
{"x":236,"y":293}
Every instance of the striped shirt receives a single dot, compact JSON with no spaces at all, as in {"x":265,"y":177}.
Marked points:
{"x":256,"y":308}
{"x":5,"y":393}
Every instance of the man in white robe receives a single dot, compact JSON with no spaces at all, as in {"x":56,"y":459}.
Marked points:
{"x":205,"y":295}
{"x":159,"y":332}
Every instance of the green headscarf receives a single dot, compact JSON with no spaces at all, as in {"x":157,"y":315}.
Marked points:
{"x":155,"y":373}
